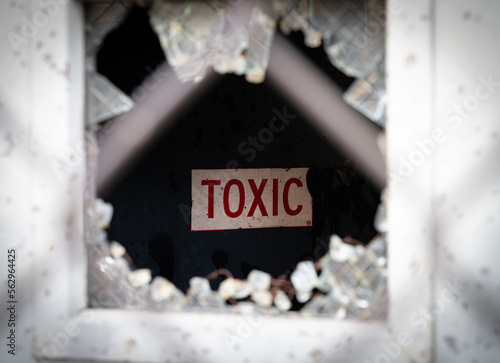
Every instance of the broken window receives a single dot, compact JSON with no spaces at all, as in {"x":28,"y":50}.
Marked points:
{"x":335,"y":277}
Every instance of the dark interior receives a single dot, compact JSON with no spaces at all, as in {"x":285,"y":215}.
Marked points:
{"x":152,"y":202}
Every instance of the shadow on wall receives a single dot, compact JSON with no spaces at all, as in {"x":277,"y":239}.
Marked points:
{"x":161,"y":250}
{"x":343,"y":203}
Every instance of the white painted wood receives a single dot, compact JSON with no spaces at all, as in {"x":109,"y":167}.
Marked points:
{"x":410,"y":216}
{"x":467,"y":195}
{"x":215,"y":337}
{"x":15,"y":183}
{"x":59,"y":290}
{"x":144,"y":336}
{"x":41,"y":92}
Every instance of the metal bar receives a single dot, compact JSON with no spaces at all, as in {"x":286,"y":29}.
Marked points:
{"x":145,"y":123}
{"x":296,"y":78}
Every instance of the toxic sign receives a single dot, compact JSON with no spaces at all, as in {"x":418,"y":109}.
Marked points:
{"x":249,"y":198}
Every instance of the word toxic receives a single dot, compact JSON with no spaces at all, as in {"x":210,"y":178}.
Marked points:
{"x":225,"y":199}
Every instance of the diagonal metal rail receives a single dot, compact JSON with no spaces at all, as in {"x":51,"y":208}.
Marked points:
{"x":293,"y":75}
{"x":138,"y":129}
{"x":320,"y":100}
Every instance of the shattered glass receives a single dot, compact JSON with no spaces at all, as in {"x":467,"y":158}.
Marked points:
{"x":304,"y":280}
{"x":353,"y":33}
{"x":367,"y":95}
{"x":164,"y":290}
{"x":101,"y":19}
{"x":282,"y":302}
{"x":200,"y":295}
{"x":199,"y":34}
{"x":104,"y":99}
{"x":329,"y":305}
{"x":262,"y":27}
{"x":195,"y":35}
{"x":235,"y":288}
{"x":259,"y":280}
{"x":347,"y":282}
{"x":190,"y":33}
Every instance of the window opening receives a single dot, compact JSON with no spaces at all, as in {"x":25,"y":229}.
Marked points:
{"x":334,"y":277}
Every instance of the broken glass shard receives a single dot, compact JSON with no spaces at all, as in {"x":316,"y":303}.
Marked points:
{"x":368,"y":97}
{"x":380,"y":222}
{"x":329,"y":271}
{"x":342,"y":252}
{"x":281,"y":301}
{"x":100,"y":20}
{"x":139,"y":277}
{"x":105,"y":100}
{"x":377,"y":246}
{"x":262,"y":298}
{"x":324,"y":305}
{"x":234,"y":288}
{"x":101,"y":213}
{"x":162,"y":289}
{"x":262,"y":27}
{"x":304,"y":279}
{"x":353,"y":34}
{"x":198,"y":285}
{"x":260,"y":280}
{"x":116,"y":250}
{"x":190,"y":33}
{"x":364,"y":297}
{"x":227,"y":288}
{"x":200,"y":295}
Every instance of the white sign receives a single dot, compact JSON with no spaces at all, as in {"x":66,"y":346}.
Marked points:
{"x":249,"y":198}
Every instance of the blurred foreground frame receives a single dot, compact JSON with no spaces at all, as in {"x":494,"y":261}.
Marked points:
{"x":84,"y":334}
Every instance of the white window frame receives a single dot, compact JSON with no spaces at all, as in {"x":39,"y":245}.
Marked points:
{"x":63,"y":329}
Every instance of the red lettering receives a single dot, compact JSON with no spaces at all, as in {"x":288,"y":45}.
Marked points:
{"x":241,"y":206}
{"x":257,"y":197}
{"x":275,"y":197}
{"x":286,"y":189}
{"x":210,"y":184}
